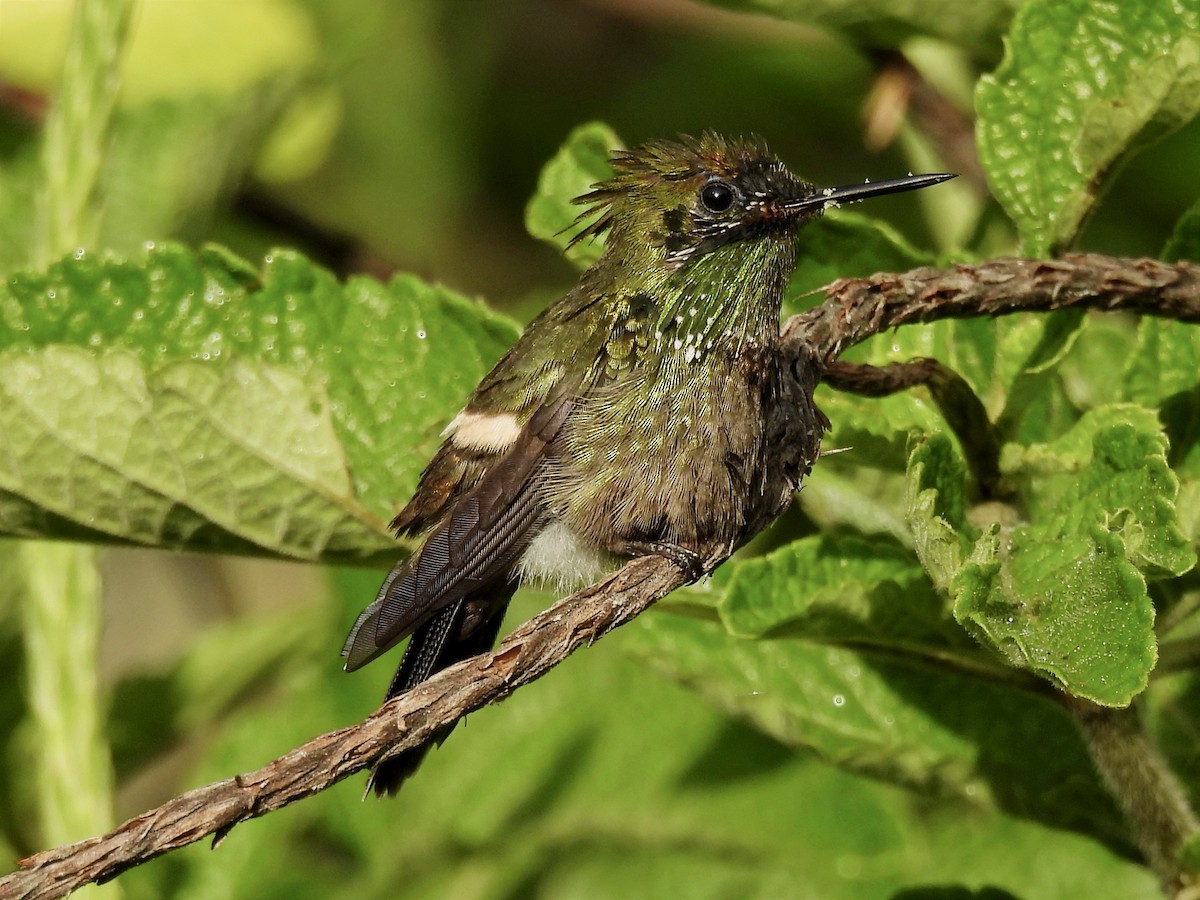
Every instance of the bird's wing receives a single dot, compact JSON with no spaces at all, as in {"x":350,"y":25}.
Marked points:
{"x":557,"y":348}
{"x":475,"y":542}
{"x":481,"y":496}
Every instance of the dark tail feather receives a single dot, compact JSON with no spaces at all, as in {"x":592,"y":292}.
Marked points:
{"x":464,"y":629}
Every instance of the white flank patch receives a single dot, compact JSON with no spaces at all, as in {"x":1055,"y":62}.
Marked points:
{"x":559,"y":560}
{"x":491,"y":432}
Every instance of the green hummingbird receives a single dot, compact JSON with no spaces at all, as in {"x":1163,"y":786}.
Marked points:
{"x":637,"y":415}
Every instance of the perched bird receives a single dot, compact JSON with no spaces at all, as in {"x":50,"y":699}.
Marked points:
{"x":637,"y":415}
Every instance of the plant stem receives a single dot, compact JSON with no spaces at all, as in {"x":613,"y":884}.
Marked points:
{"x":60,"y":611}
{"x":77,"y":129}
{"x":1149,"y":793}
{"x":61,"y":602}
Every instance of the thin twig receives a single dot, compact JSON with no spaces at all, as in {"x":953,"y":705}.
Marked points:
{"x":857,"y":308}
{"x":960,"y":407}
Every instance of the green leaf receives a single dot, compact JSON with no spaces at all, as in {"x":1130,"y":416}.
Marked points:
{"x":579,"y":163}
{"x":929,"y":728}
{"x":1163,"y":363}
{"x":1084,"y":83}
{"x":1087,"y":371}
{"x":186,"y":401}
{"x":238,"y":457}
{"x":1028,"y":351}
{"x":874,"y":430}
{"x":845,"y":591}
{"x":1161,"y":373}
{"x":1062,"y":595}
{"x":1009,"y":363}
{"x":787,"y":591}
{"x":861,"y":485}
{"x":1110,"y":470}
{"x":1068,"y":607}
{"x":845,"y":495}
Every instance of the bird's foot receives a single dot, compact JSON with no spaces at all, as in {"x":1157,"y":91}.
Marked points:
{"x":690,"y":562}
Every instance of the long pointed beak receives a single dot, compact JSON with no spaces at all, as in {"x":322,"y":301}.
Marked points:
{"x":851,"y":193}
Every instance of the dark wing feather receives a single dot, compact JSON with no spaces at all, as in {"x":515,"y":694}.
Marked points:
{"x":451,"y":473}
{"x":474,"y":544}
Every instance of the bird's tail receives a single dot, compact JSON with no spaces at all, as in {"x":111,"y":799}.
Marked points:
{"x":463,"y":629}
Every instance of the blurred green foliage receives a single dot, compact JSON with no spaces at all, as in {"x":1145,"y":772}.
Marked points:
{"x":862,"y":711}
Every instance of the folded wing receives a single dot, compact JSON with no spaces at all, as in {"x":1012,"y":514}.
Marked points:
{"x":474,"y":544}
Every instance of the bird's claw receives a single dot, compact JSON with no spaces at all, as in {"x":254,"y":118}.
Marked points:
{"x":690,"y":562}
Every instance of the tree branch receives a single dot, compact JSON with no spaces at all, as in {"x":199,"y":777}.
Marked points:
{"x":525,"y":655}
{"x":854,"y":310}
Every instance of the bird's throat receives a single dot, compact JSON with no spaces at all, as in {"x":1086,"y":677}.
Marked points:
{"x":726,"y":299}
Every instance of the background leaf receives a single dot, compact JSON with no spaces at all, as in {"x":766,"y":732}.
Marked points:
{"x":876,"y":712}
{"x":1063,"y":595}
{"x":1063,"y":65}
{"x":239,"y":414}
{"x":551,"y":214}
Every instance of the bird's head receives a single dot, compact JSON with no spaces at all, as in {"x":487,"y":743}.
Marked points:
{"x":683,"y":199}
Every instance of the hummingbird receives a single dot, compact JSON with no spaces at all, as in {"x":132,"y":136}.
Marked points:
{"x":643,"y":413}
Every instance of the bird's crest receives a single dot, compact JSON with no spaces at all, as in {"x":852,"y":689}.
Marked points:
{"x":687,"y":158}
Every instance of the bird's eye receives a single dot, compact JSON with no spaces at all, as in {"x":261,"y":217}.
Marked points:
{"x":717,"y":196}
